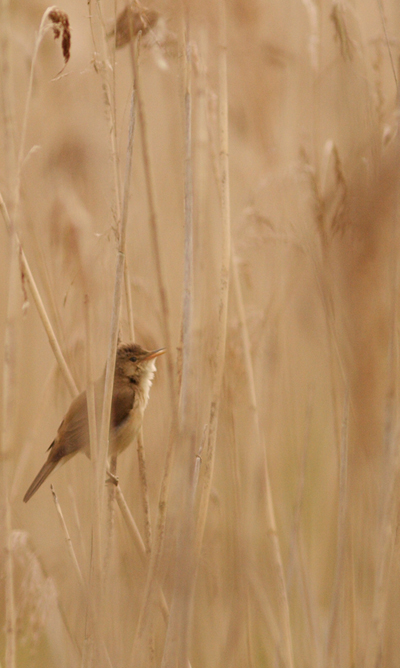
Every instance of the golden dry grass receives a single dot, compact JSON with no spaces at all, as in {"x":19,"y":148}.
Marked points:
{"x":280,"y":544}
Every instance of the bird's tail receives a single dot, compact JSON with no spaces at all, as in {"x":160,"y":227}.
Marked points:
{"x":47,"y":468}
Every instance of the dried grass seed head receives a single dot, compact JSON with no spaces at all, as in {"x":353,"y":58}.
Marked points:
{"x":60,"y":26}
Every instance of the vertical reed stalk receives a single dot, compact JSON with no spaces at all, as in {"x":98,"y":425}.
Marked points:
{"x":284,"y":616}
{"x":144,"y":490}
{"x":122,"y":231}
{"x":70,"y":547}
{"x":94,"y":584}
{"x":390,"y":473}
{"x":151,"y":582}
{"x":9,"y":409}
{"x":11,"y":626}
{"x":113,"y":341}
{"x":333,"y":643}
{"x":176,"y":647}
{"x":107,"y":61}
{"x":287,"y":651}
{"x":9,"y":359}
{"x":153,"y":220}
{"x":219,"y":353}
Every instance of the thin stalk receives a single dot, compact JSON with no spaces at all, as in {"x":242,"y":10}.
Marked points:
{"x":176,"y":647}
{"x":287,"y":652}
{"x":78,"y":524}
{"x":154,"y":222}
{"x":9,"y":410}
{"x":109,"y":93}
{"x":112,"y":467}
{"x":7,"y":96}
{"x":152,"y":575}
{"x":242,"y":584}
{"x":333,"y":631}
{"x":144,"y":489}
{"x":130,"y":523}
{"x":68,"y":540}
{"x":110,"y":97}
{"x":197,"y":465}
{"x":86,"y":660}
{"x":187,"y":320}
{"x":219,"y":354}
{"x":201,"y":180}
{"x":139,"y":440}
{"x":138,"y":541}
{"x":128,"y":299}
{"x":94,"y":584}
{"x":28,"y":276}
{"x":157,"y":545}
{"x":389,"y":501}
{"x":296,"y":560}
{"x":113,"y":341}
{"x":9,"y":356}
{"x":45,"y":25}
{"x":297,"y":514}
{"x":108,"y":62}
{"x":11,"y":625}
{"x":90,"y":384}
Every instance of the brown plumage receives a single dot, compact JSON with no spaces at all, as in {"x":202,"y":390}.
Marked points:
{"x":134,"y":371}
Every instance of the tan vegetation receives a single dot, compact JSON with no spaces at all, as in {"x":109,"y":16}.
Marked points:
{"x":241,"y":210}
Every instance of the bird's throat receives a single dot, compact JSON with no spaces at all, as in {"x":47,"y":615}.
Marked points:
{"x":145,"y":383}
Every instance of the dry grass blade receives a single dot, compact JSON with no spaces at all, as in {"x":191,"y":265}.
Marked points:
{"x":287,"y":652}
{"x":284,"y":616}
{"x":40,"y":306}
{"x":114,"y":328}
{"x":151,"y":583}
{"x":224,"y":280}
{"x":176,"y":647}
{"x":68,"y":540}
{"x":8,"y":409}
{"x":144,"y":491}
{"x":8,"y":106}
{"x":154,"y":222}
{"x":93,"y":622}
{"x":342,"y":541}
{"x":11,"y":629}
{"x":53,"y":19}
{"x":138,"y":541}
{"x":121,"y":267}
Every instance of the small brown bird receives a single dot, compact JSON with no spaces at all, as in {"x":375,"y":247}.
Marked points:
{"x":134,"y":372}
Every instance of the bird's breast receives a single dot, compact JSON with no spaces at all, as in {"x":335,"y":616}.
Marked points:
{"x":126,"y":429}
{"x":125,"y":432}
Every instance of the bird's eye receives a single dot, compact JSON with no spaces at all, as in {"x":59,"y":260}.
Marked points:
{"x":133,"y":359}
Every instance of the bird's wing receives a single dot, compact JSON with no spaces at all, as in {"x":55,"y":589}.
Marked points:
{"x":122,"y":403}
{"x":73,"y":432}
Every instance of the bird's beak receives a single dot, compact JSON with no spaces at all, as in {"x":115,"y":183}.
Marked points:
{"x":155,"y":353}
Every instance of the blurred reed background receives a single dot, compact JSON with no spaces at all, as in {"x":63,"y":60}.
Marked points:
{"x":266,"y":261}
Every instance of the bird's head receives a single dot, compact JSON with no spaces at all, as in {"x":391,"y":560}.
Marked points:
{"x":135,"y":364}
